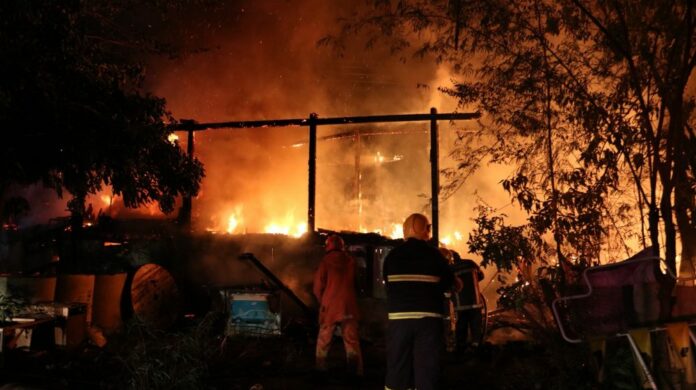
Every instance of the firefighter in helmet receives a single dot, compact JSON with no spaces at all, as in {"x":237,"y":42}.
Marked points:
{"x":334,"y":288}
{"x":468,"y":303}
{"x":417,"y":276}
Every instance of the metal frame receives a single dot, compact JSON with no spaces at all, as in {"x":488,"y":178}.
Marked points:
{"x":556,"y":301}
{"x":641,"y":361}
{"x":634,"y":348}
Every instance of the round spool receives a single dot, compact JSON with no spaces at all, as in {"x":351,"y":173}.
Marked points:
{"x":154,"y":296}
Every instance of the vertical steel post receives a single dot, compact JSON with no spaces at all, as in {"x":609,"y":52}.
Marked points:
{"x":435,"y":176}
{"x":311,"y":196}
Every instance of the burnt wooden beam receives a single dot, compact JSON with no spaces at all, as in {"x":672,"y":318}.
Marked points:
{"x":312,"y":175}
{"x":278,"y":283}
{"x":434,"y":177}
{"x":187,"y":125}
{"x":313,"y":121}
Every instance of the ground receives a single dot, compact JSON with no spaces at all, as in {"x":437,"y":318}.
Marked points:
{"x":196,"y":358}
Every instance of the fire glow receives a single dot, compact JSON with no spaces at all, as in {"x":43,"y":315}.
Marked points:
{"x":234,"y":223}
{"x":290,"y":225}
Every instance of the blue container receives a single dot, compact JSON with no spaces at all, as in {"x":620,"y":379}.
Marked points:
{"x":250,"y":315}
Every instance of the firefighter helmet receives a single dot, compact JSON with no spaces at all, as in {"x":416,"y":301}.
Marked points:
{"x":417,"y":226}
{"x":334,"y":243}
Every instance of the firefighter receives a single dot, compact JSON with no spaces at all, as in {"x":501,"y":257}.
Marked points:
{"x":334,"y":287}
{"x":468,"y":303}
{"x":416,"y":276}
{"x":450,"y":305}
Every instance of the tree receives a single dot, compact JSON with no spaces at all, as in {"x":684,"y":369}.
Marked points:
{"x":583,"y":97}
{"x":74,"y":112}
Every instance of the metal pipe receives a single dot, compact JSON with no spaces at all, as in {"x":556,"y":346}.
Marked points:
{"x":434,"y":176}
{"x":643,"y":366}
{"x":311,"y":194}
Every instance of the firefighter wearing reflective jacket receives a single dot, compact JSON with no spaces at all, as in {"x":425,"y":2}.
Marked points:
{"x":334,"y":287}
{"x":416,"y":276}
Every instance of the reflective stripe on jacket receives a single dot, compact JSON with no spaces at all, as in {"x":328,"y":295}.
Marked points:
{"x":416,"y":276}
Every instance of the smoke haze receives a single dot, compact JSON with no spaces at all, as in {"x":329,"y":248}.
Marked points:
{"x":266,"y":65}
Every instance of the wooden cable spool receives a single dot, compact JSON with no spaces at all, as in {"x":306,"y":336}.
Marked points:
{"x":106,"y":308}
{"x":152,"y":296}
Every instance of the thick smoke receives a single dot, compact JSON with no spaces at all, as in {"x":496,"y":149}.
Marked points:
{"x":265,"y":64}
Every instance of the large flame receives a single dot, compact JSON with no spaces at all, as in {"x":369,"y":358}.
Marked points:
{"x":234,"y":223}
{"x":453,"y":240}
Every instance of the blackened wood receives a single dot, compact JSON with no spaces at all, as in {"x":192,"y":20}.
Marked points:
{"x":194,"y":126}
{"x":435,"y":176}
{"x":279,"y":283}
{"x":311,"y":194}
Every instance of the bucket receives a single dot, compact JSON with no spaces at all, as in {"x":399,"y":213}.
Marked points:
{"x":76,"y":289}
{"x":106,"y":302}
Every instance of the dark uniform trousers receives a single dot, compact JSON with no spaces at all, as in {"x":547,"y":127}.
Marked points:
{"x":414,"y":349}
{"x":468,"y":327}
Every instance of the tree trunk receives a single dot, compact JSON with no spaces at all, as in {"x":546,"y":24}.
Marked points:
{"x":684,"y":202}
{"x":653,"y":211}
{"x":687,"y":268}
{"x":666,"y":210}
{"x":77,"y":215}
